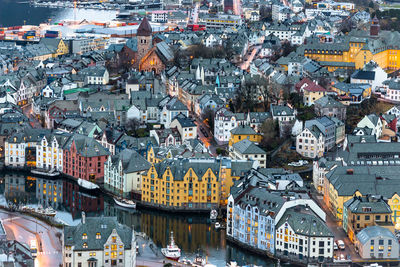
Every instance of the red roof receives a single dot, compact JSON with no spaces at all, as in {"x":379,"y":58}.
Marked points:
{"x":308,"y":85}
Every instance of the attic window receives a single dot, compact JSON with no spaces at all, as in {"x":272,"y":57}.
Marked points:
{"x":98,"y":236}
{"x":84,"y":236}
{"x":85,"y":245}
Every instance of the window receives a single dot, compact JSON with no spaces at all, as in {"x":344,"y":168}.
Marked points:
{"x":84,"y":236}
{"x":98,"y":236}
{"x":85,"y":245}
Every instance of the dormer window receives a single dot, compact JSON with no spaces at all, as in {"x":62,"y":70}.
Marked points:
{"x":85,"y":245}
{"x":84,"y":236}
{"x":98,"y":236}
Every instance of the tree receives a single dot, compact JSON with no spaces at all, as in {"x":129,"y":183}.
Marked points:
{"x":132,"y":125}
{"x":270,"y":132}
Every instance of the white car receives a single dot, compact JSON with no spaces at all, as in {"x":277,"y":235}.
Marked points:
{"x":340,"y":244}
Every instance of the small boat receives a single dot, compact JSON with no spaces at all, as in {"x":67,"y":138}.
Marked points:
{"x":86,"y":184}
{"x":126,"y":203}
{"x":199,"y":261}
{"x":217,"y":225}
{"x":50,"y":173}
{"x":213,"y":215}
{"x":172,"y":251}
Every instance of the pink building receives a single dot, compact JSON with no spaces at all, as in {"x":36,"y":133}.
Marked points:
{"x":84,"y":158}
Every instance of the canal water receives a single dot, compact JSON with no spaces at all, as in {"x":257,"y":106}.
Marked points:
{"x":20,"y":12}
{"x":192,"y":232}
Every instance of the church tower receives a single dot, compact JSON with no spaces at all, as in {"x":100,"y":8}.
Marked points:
{"x":375,"y":27}
{"x":144,"y":38}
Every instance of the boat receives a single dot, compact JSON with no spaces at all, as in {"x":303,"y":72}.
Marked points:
{"x":199,"y":261}
{"x":87,"y":184}
{"x":126,"y":203}
{"x":50,"y":173}
{"x":172,"y":251}
{"x":217,"y":225}
{"x":213,"y":215}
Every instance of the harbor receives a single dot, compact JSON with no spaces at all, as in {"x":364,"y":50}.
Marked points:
{"x":192,"y":232}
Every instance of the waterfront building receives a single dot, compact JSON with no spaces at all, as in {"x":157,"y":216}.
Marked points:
{"x":243,"y":132}
{"x":108,"y":244}
{"x":49,"y":151}
{"x":56,"y":46}
{"x":84,"y":158}
{"x":20,"y":148}
{"x":191,"y":183}
{"x":363,"y":211}
{"x":303,"y":236}
{"x":258,"y":203}
{"x":123,"y":172}
{"x":375,"y":242}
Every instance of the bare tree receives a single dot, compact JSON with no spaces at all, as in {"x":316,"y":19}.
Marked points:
{"x":132,"y":125}
{"x":208,"y":116}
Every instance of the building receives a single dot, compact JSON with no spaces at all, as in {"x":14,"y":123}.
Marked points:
{"x":328,"y":106}
{"x":49,"y":192}
{"x":123,"y":172}
{"x":311,"y":91}
{"x":220,"y":21}
{"x":246,"y":149}
{"x":107,"y":244}
{"x":186,"y":127}
{"x":371,"y":74}
{"x":344,"y":182}
{"x":373,"y":122}
{"x":84,"y":158}
{"x":375,"y":242}
{"x":310,"y":142}
{"x":191,"y":183}
{"x":320,"y":168}
{"x":95,"y":75}
{"x":363,"y":211}
{"x":244,"y":132}
{"x":85,"y":45}
{"x":255,"y":212}
{"x":282,"y":113}
{"x":233,"y":6}
{"x":170,"y":109}
{"x":224,"y":122}
{"x":49,"y":151}
{"x":302,"y":235}
{"x":327,"y":127}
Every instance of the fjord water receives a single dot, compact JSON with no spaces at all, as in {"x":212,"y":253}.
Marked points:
{"x":20,"y":12}
{"x":192,"y":232}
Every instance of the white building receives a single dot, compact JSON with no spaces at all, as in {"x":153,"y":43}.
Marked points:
{"x":225,"y":121}
{"x":99,"y":241}
{"x":49,"y":151}
{"x":320,"y":168}
{"x":372,"y":74}
{"x":123,"y":172}
{"x":171,"y":109}
{"x":310,"y":142}
{"x":373,"y":122}
{"x":282,"y":113}
{"x":302,"y":234}
{"x":186,"y":127}
{"x":95,"y":75}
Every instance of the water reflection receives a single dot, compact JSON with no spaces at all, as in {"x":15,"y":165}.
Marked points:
{"x":192,"y":232}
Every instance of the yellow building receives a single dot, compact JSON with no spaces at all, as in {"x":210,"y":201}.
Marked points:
{"x":244,"y":132}
{"x":57,"y":46}
{"x":343,"y":183}
{"x":356,"y":49}
{"x":191,"y":183}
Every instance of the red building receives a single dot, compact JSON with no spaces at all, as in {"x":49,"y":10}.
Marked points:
{"x":84,"y":158}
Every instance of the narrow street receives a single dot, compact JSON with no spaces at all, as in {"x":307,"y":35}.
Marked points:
{"x":24,"y":229}
{"x":338,"y":232}
{"x":27,"y":110}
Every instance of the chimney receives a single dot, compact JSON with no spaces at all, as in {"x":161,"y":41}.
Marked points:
{"x":83,"y":217}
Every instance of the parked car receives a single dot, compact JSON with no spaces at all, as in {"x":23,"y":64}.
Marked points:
{"x":340,"y":244}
